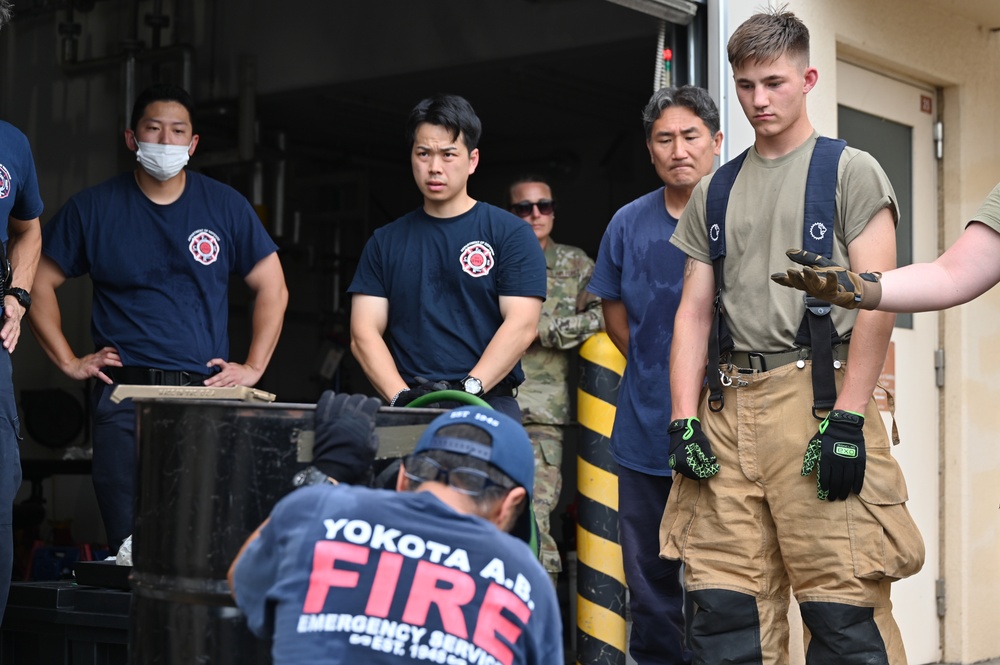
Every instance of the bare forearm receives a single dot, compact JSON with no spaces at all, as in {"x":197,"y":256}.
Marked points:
{"x":688,"y":358}
{"x":616,"y":324}
{"x":46,"y":323}
{"x":689,"y":349}
{"x":509,"y":343}
{"x":869,"y":343}
{"x":24,"y":250}
{"x":968,"y":269}
{"x":268,"y":319}
{"x":376,"y":361}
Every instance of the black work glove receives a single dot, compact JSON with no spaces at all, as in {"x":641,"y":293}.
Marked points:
{"x":690,"y":452}
{"x":423,"y":388}
{"x":822,"y":278}
{"x":837,"y":452}
{"x":346,"y":442}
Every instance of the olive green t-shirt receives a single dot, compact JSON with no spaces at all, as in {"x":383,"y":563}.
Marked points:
{"x":764,"y":218}
{"x":989,"y":212}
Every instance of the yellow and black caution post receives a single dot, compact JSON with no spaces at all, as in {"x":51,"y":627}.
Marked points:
{"x":600,"y":637}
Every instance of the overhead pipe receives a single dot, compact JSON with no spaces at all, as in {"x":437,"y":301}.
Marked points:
{"x":130,"y":48}
{"x":70,"y":31}
{"x":278,"y":216}
{"x":132,"y":51}
{"x":247,"y":129}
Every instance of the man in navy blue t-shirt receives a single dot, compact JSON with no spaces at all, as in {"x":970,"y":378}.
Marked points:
{"x":20,"y":206}
{"x":436,"y":572}
{"x":159,"y":244}
{"x":448,"y":295}
{"x":639,"y":276}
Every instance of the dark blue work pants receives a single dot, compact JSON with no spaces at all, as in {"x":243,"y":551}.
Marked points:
{"x":114,"y":463}
{"x":10,"y":474}
{"x":656,"y":598}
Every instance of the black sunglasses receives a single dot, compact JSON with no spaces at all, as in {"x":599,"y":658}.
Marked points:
{"x":473,"y":482}
{"x":523,"y":208}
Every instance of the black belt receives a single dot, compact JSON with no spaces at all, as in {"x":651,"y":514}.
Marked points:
{"x":151,"y":376}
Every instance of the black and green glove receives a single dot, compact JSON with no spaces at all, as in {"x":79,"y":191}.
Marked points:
{"x":822,"y":278}
{"x":837,"y":452}
{"x":690,"y":452}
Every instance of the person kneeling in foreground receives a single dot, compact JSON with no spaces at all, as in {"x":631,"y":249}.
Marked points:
{"x":341,"y":573}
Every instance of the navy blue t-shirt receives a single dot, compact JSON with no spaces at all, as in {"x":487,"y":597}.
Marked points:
{"x":355,"y":575}
{"x":637,"y":265}
{"x":160,"y":272}
{"x":18,"y":183}
{"x":443,"y":279}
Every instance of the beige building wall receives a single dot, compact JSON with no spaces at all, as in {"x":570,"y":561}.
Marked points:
{"x":927,"y":41}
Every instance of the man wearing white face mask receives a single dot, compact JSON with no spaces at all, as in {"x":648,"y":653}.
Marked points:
{"x":159,"y":244}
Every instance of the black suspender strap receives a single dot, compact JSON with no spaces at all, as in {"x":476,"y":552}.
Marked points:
{"x":821,"y":196}
{"x":817,"y":236}
{"x":716,"y":204}
{"x":719,"y":339}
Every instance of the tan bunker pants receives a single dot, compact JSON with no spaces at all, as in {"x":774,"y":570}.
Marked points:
{"x":757,"y":528}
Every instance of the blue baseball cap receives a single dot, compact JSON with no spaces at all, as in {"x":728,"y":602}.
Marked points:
{"x":510,"y":452}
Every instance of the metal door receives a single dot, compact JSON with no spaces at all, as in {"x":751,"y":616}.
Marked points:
{"x":876,"y":112}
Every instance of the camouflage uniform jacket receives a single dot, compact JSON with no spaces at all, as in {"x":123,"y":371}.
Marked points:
{"x":569,"y":316}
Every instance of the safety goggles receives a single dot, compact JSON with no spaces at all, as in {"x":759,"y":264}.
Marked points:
{"x":473,"y":482}
{"x":523,"y":208}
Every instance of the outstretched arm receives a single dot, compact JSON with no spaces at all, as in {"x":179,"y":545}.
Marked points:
{"x":967,"y":270}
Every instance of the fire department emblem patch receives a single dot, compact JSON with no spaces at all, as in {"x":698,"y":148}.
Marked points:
{"x":204,"y":246}
{"x":4,"y":182}
{"x":477,"y":258}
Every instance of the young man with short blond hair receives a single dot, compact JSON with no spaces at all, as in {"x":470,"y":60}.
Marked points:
{"x":784,"y":475}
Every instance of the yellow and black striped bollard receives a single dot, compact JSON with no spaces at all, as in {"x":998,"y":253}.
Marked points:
{"x":600,"y":575}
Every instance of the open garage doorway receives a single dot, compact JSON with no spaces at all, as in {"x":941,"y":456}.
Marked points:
{"x":558,"y":85}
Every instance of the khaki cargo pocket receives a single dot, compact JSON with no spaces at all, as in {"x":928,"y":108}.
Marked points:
{"x":678,"y":517}
{"x":885,"y":541}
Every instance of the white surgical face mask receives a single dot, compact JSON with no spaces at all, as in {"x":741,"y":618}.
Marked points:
{"x":162,"y":161}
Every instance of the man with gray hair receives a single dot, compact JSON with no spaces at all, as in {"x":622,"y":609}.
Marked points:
{"x":639,"y":276}
{"x":21,"y":235}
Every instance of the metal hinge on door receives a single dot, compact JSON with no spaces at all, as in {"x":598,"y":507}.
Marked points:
{"x":939,"y":139}
{"x":939,"y":595}
{"x":939,"y":367}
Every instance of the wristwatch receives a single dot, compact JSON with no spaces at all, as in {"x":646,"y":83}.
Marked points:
{"x":21,"y":296}
{"x":311,"y":476}
{"x":472,"y":385}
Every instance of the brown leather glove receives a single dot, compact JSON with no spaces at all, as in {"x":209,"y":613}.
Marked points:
{"x":822,"y":278}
